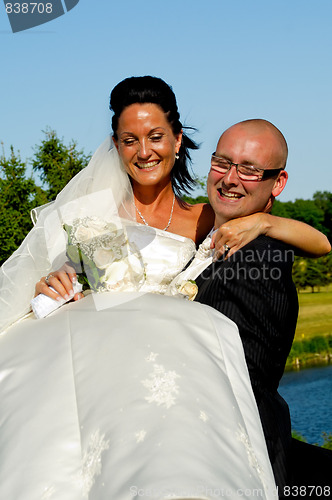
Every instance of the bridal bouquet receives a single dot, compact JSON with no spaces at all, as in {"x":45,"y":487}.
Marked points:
{"x":102,"y":256}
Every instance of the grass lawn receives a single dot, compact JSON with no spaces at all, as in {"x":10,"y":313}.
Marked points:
{"x":315,"y":315}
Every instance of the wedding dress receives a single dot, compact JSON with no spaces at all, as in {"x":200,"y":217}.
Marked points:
{"x":124,"y":395}
{"x":130,"y":394}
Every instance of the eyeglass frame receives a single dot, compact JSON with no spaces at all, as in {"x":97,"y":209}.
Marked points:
{"x":266,"y":172}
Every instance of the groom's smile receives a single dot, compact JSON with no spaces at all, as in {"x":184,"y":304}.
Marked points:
{"x":229,"y":195}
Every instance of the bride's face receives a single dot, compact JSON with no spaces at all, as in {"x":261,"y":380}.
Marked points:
{"x":146,"y":144}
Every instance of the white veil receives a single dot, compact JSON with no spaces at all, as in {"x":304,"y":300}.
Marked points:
{"x":101,"y":189}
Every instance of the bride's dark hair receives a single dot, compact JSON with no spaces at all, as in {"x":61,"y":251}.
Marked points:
{"x":150,"y":89}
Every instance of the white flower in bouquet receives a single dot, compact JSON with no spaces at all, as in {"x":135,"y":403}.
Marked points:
{"x":101,"y":226}
{"x":125,"y":273}
{"x":102,"y":255}
{"x":116,"y":276}
{"x":104,"y":258}
{"x":83,"y":234}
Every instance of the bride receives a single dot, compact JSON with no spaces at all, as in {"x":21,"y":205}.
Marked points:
{"x":136,"y":394}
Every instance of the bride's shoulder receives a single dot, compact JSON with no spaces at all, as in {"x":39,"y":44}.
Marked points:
{"x":203,"y":218}
{"x":192,"y":221}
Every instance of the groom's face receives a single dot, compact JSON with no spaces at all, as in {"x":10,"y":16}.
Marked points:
{"x":232,"y":197}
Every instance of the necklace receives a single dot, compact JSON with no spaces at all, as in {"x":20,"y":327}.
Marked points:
{"x":169,"y":220}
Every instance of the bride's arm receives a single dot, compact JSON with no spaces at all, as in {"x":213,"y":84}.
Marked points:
{"x":238,"y":232}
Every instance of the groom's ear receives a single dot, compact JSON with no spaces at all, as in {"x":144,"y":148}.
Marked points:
{"x":280,"y":183}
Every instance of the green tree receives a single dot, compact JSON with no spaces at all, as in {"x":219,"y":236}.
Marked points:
{"x":316,"y":212}
{"x":299,"y":270}
{"x":56,"y":163}
{"x":18,"y":195}
{"x":201,"y":184}
{"x":303,"y":210}
{"x":327,"y":261}
{"x":194,"y":201}
{"x":310,"y":273}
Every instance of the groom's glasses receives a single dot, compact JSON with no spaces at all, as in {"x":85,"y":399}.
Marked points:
{"x":244,"y":172}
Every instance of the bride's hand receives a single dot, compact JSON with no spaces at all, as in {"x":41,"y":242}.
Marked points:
{"x":62,"y":282}
{"x":237,"y":233}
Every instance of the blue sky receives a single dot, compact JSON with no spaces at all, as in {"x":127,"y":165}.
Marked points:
{"x":226,"y":61}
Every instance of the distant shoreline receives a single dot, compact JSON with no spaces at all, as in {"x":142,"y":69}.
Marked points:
{"x":309,"y":360}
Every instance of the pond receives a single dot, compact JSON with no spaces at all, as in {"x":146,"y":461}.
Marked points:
{"x":308,"y":393}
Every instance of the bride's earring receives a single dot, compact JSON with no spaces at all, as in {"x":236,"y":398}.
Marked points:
{"x":177,"y":156}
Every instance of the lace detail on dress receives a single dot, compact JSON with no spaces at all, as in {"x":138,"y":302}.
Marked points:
{"x":140,"y":436}
{"x":203,"y":416}
{"x":151,"y":357}
{"x":48,"y":493}
{"x":161,"y":384}
{"x":91,"y":461}
{"x":244,"y":438}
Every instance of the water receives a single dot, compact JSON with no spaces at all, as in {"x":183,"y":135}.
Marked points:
{"x":309,"y":396}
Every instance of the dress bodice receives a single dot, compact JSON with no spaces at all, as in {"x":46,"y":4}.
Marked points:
{"x":163,"y":255}
{"x":128,"y":257}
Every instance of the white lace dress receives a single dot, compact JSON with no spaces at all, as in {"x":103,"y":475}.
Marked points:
{"x":130,"y":395}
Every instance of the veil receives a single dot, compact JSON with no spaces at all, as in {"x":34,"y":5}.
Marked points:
{"x":102,"y":189}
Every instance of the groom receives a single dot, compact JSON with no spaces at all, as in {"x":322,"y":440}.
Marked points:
{"x":254,"y":286}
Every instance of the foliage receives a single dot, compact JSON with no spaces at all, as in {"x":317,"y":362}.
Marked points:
{"x":298,"y":436}
{"x":18,"y":195}
{"x":308,"y":350}
{"x":327,"y":440}
{"x":194,"y":201}
{"x":56,"y":163}
{"x":201,"y":184}
{"x":316,"y":212}
{"x":302,"y":210}
{"x":312,"y":272}
{"x":201,"y":181}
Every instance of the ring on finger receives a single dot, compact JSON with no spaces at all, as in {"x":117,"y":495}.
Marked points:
{"x":47,"y":279}
{"x":226,"y":247}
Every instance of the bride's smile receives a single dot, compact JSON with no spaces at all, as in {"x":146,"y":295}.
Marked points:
{"x":148,"y":165}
